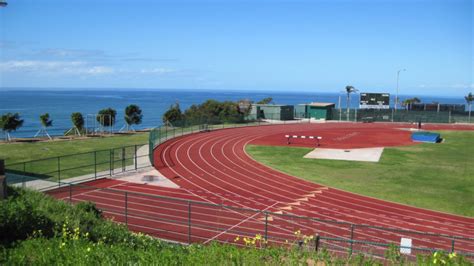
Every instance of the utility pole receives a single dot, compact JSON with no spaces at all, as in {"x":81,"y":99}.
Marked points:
{"x":398,"y":79}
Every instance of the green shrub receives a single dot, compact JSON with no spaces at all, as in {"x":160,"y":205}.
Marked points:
{"x":20,"y":217}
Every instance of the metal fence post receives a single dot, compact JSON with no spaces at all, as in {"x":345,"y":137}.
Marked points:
{"x":126,"y":208}
{"x":24,"y":174}
{"x":316,"y":243}
{"x":110,"y":162}
{"x":59,"y":171}
{"x":452,"y":245}
{"x":189,"y":222}
{"x":123,"y":159}
{"x":113,"y":162}
{"x":266,"y":227}
{"x":136,"y":158}
{"x":70,"y":193}
{"x":352,"y":239}
{"x":95,"y":164}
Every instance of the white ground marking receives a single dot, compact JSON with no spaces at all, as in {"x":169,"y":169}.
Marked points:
{"x":363,"y":155}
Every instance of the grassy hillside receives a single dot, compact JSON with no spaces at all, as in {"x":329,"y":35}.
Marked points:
{"x":434,"y":176}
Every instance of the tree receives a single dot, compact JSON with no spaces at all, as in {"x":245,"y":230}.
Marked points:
{"x":77,"y":120}
{"x":244,"y":106}
{"x":267,"y":100}
{"x":133,"y":116}
{"x":45,"y":123}
{"x":10,"y":122}
{"x":408,"y":102}
{"x":106,"y":117}
{"x":78,"y":123}
{"x":173,"y":114}
{"x":349,"y":89}
{"x":469,"y":99}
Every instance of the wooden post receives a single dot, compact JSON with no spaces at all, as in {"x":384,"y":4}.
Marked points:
{"x":3,"y":181}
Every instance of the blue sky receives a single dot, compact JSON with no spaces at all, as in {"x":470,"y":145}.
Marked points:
{"x":239,"y":45}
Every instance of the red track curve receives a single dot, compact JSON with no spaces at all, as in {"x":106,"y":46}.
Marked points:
{"x":214,"y":167}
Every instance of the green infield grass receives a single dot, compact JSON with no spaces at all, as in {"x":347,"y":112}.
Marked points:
{"x":433,"y":176}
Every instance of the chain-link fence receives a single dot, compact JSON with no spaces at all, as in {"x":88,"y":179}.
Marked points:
{"x":400,"y":115}
{"x":189,"y":221}
{"x":47,"y":173}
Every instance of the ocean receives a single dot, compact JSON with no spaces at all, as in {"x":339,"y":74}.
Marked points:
{"x":30,"y":104}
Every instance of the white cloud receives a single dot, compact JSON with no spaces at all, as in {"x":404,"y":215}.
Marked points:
{"x":54,"y":67}
{"x":98,"y":70}
{"x":158,"y":71}
{"x":463,"y":86}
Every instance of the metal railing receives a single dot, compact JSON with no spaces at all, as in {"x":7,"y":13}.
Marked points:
{"x":191,"y":221}
{"x":47,"y":173}
{"x":399,"y":115}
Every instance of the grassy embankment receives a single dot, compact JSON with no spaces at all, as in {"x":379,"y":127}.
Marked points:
{"x":38,"y":230}
{"x":433,"y":176}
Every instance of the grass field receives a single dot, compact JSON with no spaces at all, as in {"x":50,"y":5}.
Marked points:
{"x":433,"y":176}
{"x":21,"y":152}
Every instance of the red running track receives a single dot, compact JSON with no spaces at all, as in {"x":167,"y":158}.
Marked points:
{"x":213,"y":167}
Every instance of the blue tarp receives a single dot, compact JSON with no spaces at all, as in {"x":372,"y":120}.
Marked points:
{"x":426,"y":137}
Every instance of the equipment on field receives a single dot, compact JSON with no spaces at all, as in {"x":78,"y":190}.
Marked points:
{"x":425,"y":136}
{"x":295,"y":137}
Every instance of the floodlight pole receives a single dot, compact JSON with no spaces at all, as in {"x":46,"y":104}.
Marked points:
{"x":398,"y":79}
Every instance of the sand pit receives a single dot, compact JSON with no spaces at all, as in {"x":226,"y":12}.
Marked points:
{"x":147,"y":176}
{"x":362,"y":155}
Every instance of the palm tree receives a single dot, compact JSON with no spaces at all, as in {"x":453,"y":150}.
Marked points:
{"x":45,"y":123}
{"x":349,"y":89}
{"x":10,"y":122}
{"x":408,"y":102}
{"x":469,"y":99}
{"x":133,"y":116}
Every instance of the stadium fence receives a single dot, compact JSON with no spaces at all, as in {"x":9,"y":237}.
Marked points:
{"x":188,"y":221}
{"x":399,"y":115}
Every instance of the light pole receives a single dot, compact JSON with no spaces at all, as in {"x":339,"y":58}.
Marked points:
{"x":398,"y":78}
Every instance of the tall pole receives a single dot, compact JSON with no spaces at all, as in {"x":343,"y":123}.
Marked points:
{"x":348,"y":104}
{"x":340,"y":109}
{"x":398,"y":79}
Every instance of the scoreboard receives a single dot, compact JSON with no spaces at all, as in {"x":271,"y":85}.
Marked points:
{"x":374,"y":100}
